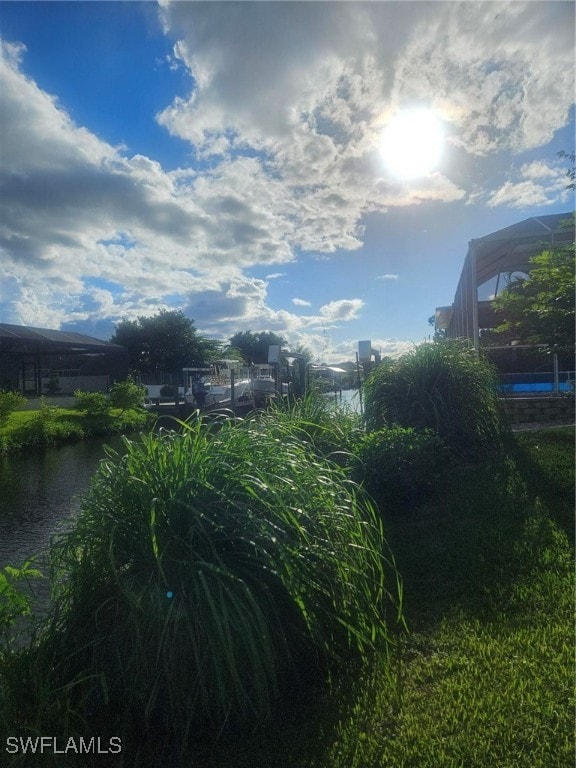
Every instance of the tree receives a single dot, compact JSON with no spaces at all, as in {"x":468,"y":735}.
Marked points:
{"x":439,"y":333}
{"x":539,"y":309}
{"x":254,"y":346}
{"x":164,"y":342}
{"x":302,"y":351}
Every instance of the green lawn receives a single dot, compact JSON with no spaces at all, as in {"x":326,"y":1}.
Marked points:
{"x":52,"y":425}
{"x":486,"y":673}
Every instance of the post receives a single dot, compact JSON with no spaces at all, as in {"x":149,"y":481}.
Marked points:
{"x":232,"y":388}
{"x":359,"y":384}
{"x":302,"y":375}
{"x":556,"y":376}
{"x":474,"y":297}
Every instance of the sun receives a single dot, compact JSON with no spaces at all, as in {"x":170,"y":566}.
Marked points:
{"x":412,"y":143}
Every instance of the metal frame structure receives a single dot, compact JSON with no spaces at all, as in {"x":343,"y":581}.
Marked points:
{"x":505,"y":251}
{"x":28,"y":354}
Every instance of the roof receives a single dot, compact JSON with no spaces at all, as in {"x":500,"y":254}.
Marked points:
{"x":543,"y":225}
{"x":511,"y":248}
{"x":26,"y":334}
{"x":504,"y":251}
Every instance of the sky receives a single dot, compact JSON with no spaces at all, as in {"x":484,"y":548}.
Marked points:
{"x":315,"y":169}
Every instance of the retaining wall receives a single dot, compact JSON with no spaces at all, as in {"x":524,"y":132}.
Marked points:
{"x":526,"y":410}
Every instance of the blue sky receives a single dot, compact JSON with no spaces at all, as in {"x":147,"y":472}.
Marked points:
{"x":230,"y":159}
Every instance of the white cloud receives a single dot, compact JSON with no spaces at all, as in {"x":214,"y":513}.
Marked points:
{"x":341,"y":310}
{"x":520,"y":195}
{"x":301,"y":302}
{"x":310,"y":95}
{"x":538,"y":169}
{"x":503,"y":73}
{"x":541,"y":184}
{"x":387,"y":277}
{"x":392,"y":347}
{"x":346,"y":350}
{"x":313,"y":83}
{"x":77,"y":209}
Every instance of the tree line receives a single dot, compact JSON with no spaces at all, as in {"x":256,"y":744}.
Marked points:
{"x":169,"y":341}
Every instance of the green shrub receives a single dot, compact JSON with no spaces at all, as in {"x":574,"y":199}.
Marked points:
{"x":94,"y":403}
{"x":441,"y":386}
{"x":400,"y":467}
{"x":13,"y":602}
{"x":10,"y":401}
{"x":127,"y":394}
{"x":205,"y":566}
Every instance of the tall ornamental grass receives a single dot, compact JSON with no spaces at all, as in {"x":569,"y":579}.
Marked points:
{"x":442,"y":386}
{"x":206,"y":569}
{"x":330,"y":431}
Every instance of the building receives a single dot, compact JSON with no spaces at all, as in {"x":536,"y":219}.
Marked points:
{"x":40,"y":361}
{"x":488,"y":261}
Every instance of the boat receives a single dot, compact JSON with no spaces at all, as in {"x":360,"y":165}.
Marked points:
{"x":253,"y":385}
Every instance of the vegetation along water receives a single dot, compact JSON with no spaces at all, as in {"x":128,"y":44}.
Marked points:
{"x":300,"y":589}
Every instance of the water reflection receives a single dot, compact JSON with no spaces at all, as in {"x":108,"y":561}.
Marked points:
{"x":39,"y":496}
{"x":349,"y":398}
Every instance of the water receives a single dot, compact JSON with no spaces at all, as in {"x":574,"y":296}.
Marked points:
{"x":39,"y":496}
{"x":348,"y":398}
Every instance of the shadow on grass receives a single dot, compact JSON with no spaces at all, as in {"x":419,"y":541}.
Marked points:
{"x":545,"y":460}
{"x":462,"y":552}
{"x":298,"y":733}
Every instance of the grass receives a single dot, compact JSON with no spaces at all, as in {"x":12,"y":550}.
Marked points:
{"x":52,"y":425}
{"x":485,"y":677}
{"x":487,"y":673}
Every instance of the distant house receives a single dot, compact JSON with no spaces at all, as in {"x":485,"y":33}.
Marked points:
{"x":40,"y":361}
{"x":488,"y":263}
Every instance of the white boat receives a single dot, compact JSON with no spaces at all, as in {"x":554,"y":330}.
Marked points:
{"x":252,"y":384}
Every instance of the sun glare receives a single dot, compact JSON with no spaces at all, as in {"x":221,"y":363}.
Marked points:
{"x":412,"y":143}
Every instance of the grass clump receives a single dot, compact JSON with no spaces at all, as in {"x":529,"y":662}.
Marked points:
{"x":442,"y":386}
{"x":330,"y":431}
{"x":204,"y":571}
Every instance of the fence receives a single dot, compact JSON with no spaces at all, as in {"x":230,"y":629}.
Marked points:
{"x":524,"y":384}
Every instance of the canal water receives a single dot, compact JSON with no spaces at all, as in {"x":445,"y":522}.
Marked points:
{"x":39,"y":496}
{"x":348,"y":398}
